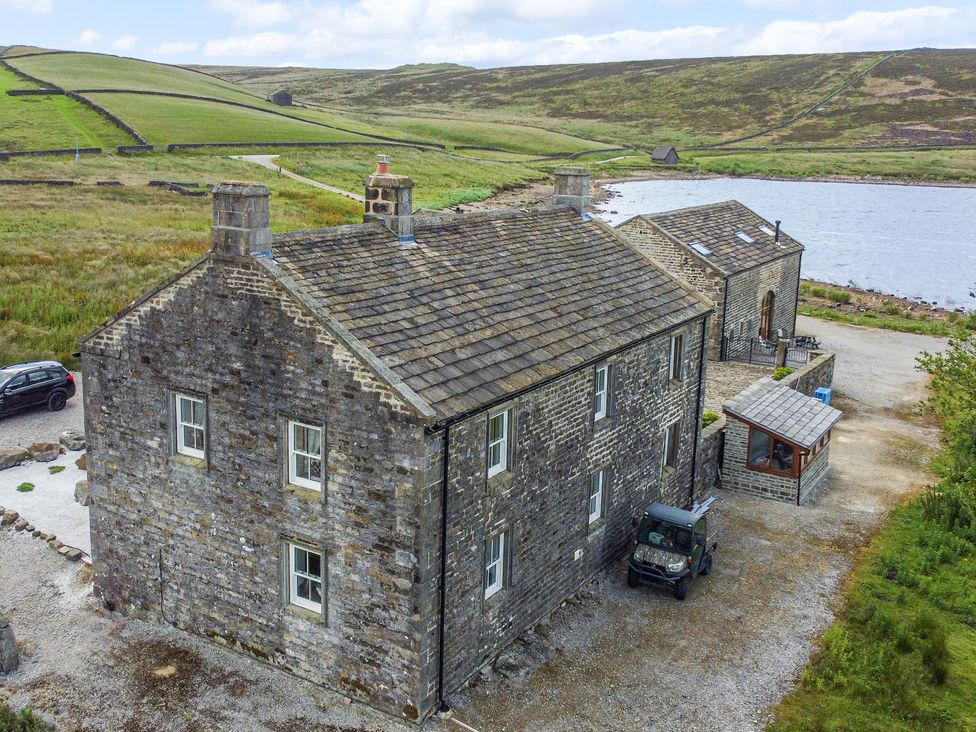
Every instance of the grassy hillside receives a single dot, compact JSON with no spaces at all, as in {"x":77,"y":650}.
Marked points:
{"x":163,"y":120}
{"x":45,"y":122}
{"x":692,"y":102}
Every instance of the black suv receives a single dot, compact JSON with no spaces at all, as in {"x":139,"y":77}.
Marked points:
{"x":35,"y":384}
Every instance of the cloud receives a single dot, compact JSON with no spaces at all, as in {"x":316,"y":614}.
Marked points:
{"x":768,"y":4}
{"x":33,"y":7}
{"x":85,"y":39}
{"x":252,"y":15}
{"x":863,"y":31}
{"x":174,"y":48}
{"x":377,"y":33}
{"x":124,"y":43}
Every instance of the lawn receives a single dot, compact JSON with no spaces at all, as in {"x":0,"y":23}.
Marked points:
{"x":164,"y":120}
{"x":50,"y":122}
{"x":72,"y":257}
{"x":440,"y":180}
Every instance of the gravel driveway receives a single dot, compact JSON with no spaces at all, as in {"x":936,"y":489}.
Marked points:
{"x":42,"y":425}
{"x":624,"y":659}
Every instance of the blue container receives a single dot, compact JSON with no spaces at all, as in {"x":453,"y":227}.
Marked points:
{"x":823,"y":394}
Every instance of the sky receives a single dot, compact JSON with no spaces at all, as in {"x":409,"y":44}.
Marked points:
{"x":481,"y":33}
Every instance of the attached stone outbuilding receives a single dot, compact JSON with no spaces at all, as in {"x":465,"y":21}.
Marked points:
{"x":375,"y":454}
{"x":746,"y":266}
{"x":777,"y":442}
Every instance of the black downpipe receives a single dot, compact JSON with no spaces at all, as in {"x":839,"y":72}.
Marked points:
{"x":443,"y":599}
{"x":722,"y":350}
{"x":698,"y":409}
{"x":796,"y":303}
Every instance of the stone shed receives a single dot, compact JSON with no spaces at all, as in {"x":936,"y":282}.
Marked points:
{"x":374,"y":454}
{"x":747,"y":266}
{"x":665,"y":154}
{"x":777,"y":442}
{"x":281,"y":97}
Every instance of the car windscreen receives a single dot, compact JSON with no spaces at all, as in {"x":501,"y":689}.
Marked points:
{"x":664,"y":535}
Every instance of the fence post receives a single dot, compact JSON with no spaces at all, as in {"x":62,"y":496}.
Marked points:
{"x":781,"y":345}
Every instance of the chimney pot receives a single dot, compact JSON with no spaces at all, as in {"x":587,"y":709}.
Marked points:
{"x":776,"y":237}
{"x":241,"y":219}
{"x":572,"y":187}
{"x":389,"y":200}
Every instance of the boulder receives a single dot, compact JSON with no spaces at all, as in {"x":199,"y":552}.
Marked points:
{"x":9,"y":657}
{"x":72,"y":440}
{"x":81,"y":493}
{"x":8,"y":517}
{"x":45,"y":452}
{"x":9,"y":457}
{"x":82,"y":462}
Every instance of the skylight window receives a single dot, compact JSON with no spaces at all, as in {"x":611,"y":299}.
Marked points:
{"x":745,"y":237}
{"x":767,"y":231}
{"x":701,"y":249}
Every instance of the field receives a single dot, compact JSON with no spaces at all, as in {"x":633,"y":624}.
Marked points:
{"x":72,"y":257}
{"x":163,"y":120}
{"x":50,"y":121}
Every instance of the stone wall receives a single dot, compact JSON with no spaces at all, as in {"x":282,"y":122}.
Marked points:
{"x":708,"y":477}
{"x":200,"y":145}
{"x":7,"y":154}
{"x":737,"y":477}
{"x":746,"y":290}
{"x":652,"y":242}
{"x":542,"y":502}
{"x":818,"y":372}
{"x":816,"y":474}
{"x":199,"y":544}
{"x":114,"y":119}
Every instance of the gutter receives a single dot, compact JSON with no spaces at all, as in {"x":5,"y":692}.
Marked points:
{"x":444,"y":423}
{"x":443,"y":706}
{"x":698,"y":409}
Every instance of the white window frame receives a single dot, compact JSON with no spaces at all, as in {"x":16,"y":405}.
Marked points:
{"x":294,"y":598}
{"x":181,"y":422}
{"x":502,"y":443}
{"x":676,"y":356}
{"x":597,"y":487}
{"x":294,"y":453}
{"x":667,"y":445}
{"x":495,"y":563}
{"x":601,"y":397}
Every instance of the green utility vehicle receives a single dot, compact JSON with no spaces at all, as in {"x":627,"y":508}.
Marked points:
{"x":672,"y":547}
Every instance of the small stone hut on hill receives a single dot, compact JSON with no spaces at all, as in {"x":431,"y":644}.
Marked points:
{"x":665,"y":154}
{"x":281,"y":98}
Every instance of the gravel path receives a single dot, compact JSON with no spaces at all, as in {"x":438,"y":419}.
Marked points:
{"x":638,"y":659}
{"x":268,"y":161}
{"x":51,"y":505}
{"x":42,"y":425}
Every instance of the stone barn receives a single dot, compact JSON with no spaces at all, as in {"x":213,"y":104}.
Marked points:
{"x":746,"y":266}
{"x":281,"y":98}
{"x":665,"y":154}
{"x":777,"y":442}
{"x":373,"y":455}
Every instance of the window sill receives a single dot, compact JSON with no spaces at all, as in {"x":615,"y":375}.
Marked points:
{"x":189,"y":461}
{"x":300,"y":491}
{"x":667,"y":472}
{"x":500,"y":480}
{"x":491,"y":603}
{"x":596,"y":528}
{"x":601,"y":424}
{"x":311,"y":616}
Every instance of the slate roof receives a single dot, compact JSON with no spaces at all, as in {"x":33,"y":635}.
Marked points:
{"x":715,"y":227}
{"x":484,"y":305}
{"x":784,"y":412}
{"x":661,"y":152}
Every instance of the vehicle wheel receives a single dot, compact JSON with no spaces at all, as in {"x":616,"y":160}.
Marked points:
{"x":633,"y":579}
{"x":706,"y":565}
{"x":681,"y":591}
{"x":56,"y":401}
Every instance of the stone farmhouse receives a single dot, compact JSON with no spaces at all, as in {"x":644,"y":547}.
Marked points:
{"x":373,"y":455}
{"x":746,"y":266}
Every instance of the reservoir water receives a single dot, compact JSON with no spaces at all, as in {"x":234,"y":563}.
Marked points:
{"x":911,"y":241}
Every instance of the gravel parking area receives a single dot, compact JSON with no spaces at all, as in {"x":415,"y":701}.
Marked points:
{"x":638,"y":659}
{"x":42,"y":425}
{"x":622,"y":659}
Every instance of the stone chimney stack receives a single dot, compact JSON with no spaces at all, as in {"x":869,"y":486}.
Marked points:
{"x":241,"y":218}
{"x":572,"y":188}
{"x":389,"y":200}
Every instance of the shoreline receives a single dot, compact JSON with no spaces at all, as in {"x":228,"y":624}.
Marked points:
{"x":638,"y":176}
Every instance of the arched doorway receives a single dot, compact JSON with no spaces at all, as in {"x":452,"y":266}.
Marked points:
{"x":766,"y":321}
